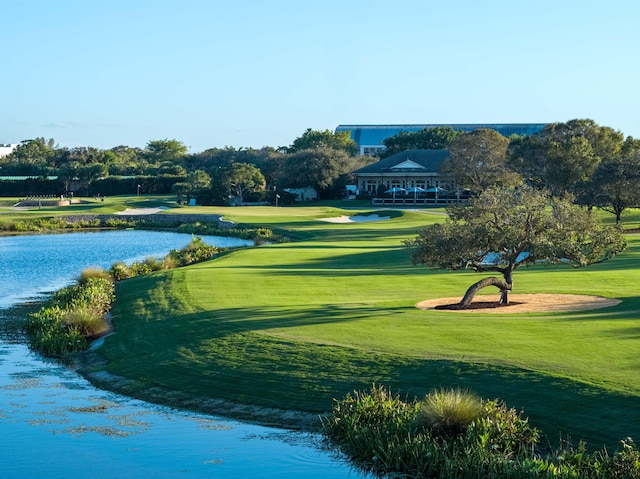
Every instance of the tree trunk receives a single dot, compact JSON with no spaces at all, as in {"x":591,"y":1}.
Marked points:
{"x":483,"y":283}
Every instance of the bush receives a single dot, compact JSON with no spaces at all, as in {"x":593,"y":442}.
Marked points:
{"x":119,"y":271}
{"x":382,"y":434}
{"x":71,"y":317}
{"x":194,"y":252}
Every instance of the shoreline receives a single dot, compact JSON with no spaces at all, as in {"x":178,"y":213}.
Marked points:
{"x":92,"y":367}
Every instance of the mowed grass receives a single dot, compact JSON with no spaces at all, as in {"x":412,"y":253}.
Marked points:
{"x":294,"y":325}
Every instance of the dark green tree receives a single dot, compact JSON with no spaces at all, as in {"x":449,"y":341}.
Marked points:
{"x":159,"y":151}
{"x":504,"y":229}
{"x":242,"y":179}
{"x":31,"y":157}
{"x":319,"y":168}
{"x":563,"y":156}
{"x":434,"y":138}
{"x":312,"y":139}
{"x":615,"y":185}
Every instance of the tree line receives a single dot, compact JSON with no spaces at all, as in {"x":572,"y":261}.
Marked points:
{"x":321,"y":159}
{"x":595,"y":166}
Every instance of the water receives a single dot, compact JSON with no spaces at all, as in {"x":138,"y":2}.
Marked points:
{"x":55,"y":424}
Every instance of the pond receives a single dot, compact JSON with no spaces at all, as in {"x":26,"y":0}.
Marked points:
{"x":55,"y":424}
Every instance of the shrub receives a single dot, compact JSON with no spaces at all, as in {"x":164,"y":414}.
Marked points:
{"x":119,"y":271}
{"x":392,"y":438}
{"x":72,"y":315}
{"x":194,"y":252}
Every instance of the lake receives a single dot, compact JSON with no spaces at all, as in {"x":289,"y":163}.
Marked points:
{"x":55,"y":424}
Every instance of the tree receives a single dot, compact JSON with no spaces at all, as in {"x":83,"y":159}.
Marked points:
{"x":197,"y":183}
{"x":31,"y":157}
{"x":317,"y":167}
{"x":615,"y":185}
{"x":310,"y":139}
{"x":430,"y":138}
{"x":563,"y":156}
{"x":158,"y":151}
{"x":478,"y":160}
{"x":243,"y":178}
{"x":503,"y":229}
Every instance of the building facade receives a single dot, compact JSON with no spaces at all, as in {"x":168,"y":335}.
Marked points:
{"x":412,"y":173}
{"x":7,"y":148}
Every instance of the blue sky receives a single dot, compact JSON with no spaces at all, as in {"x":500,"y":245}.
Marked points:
{"x":253,"y":73}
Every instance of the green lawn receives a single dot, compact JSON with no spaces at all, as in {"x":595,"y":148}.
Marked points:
{"x":294,"y":325}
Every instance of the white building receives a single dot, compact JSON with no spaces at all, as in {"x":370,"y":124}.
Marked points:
{"x":7,"y":148}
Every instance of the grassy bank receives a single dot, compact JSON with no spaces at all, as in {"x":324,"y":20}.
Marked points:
{"x":294,"y":325}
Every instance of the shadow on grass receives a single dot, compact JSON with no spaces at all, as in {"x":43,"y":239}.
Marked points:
{"x":232,"y":354}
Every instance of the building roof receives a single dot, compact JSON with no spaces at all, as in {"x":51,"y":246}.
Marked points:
{"x":415,"y":161}
{"x":371,"y":135}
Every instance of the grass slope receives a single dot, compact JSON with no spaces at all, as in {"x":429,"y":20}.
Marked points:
{"x":294,"y":325}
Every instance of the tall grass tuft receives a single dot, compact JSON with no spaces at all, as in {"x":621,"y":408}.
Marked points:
{"x":449,"y":411}
{"x":87,"y":322}
{"x":93,"y":272}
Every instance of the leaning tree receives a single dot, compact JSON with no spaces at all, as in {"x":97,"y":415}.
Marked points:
{"x":503,"y":229}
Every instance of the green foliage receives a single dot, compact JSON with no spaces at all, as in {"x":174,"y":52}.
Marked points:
{"x":72,"y":316}
{"x":504,"y":229}
{"x":120,"y":271}
{"x":453,"y":434}
{"x":194,"y":252}
{"x":477,"y":161}
{"x":339,"y":140}
{"x":434,"y":138}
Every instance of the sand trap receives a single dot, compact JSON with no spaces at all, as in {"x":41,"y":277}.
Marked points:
{"x":142,"y":211}
{"x":355,"y":219}
{"x":529,"y":303}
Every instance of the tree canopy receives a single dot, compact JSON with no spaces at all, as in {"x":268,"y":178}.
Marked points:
{"x":505,"y":228}
{"x":478,"y":160}
{"x":340,"y":140}
{"x":430,"y":138}
{"x":563,"y":156}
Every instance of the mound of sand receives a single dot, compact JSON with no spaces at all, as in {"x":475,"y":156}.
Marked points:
{"x":527,"y":303}
{"x":355,"y":219}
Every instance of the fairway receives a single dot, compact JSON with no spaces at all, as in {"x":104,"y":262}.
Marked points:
{"x":296,"y":324}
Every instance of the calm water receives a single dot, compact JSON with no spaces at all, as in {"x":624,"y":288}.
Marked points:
{"x":55,"y":424}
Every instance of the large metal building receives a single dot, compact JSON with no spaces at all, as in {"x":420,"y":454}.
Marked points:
{"x":370,"y":137}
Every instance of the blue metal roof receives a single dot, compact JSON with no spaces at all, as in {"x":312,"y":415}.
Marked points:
{"x":372,"y":135}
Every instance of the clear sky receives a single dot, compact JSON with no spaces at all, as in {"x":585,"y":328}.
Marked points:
{"x":253,"y":73}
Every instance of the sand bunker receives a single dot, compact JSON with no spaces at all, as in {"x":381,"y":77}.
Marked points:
{"x":142,"y":211}
{"x":355,"y":219}
{"x":527,"y":303}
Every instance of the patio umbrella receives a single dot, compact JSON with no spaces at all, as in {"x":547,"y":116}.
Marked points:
{"x":415,"y":190}
{"x":436,"y":190}
{"x":395,"y":190}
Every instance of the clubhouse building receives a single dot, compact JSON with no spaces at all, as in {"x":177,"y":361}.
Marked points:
{"x":412,"y":177}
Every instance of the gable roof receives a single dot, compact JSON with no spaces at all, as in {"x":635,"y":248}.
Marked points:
{"x":417,"y":161}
